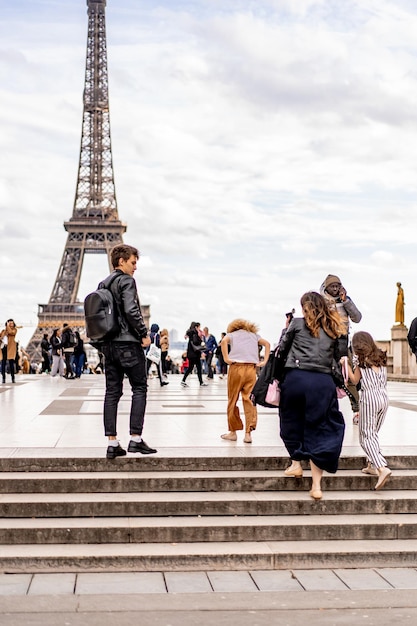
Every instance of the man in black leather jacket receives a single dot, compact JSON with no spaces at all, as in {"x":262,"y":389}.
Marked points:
{"x":124,"y":354}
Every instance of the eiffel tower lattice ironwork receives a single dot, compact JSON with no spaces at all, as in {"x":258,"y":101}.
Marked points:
{"x":94,"y":227}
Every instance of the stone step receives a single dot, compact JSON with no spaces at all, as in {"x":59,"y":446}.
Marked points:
{"x":207,"y":529}
{"x":256,"y":555}
{"x":160,"y":504}
{"x":234,"y":461}
{"x":192,"y":481}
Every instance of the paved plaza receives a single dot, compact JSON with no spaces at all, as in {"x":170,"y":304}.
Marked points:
{"x":44,"y":417}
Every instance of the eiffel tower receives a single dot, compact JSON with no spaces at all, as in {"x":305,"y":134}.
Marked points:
{"x":94,"y":227}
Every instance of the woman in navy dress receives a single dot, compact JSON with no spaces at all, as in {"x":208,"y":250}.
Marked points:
{"x":312,"y":427}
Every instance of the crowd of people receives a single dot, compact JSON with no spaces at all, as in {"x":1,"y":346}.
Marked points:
{"x":307,"y":359}
{"x":63,"y":353}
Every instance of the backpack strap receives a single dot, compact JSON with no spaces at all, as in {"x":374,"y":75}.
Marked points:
{"x":106,"y":284}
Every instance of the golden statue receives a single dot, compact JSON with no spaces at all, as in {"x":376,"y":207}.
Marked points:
{"x":399,"y":306}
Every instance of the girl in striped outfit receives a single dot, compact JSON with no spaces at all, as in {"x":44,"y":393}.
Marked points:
{"x":371,"y":370}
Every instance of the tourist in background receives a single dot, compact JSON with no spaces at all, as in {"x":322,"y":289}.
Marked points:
{"x":338,"y":300}
{"x":68,"y":344}
{"x":371,"y":370}
{"x":221,"y":364}
{"x":24,"y":359}
{"x":45,"y":350}
{"x":311,"y":425}
{"x":58,"y":364}
{"x":8,"y":349}
{"x":79,"y":355}
{"x":243,"y":358}
{"x":211,"y":345}
{"x":194,"y":349}
{"x":164,"y":342}
{"x":155,"y":338}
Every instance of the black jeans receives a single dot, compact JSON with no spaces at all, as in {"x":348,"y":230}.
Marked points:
{"x":193,"y":361}
{"x":46,"y":363}
{"x":209,"y":358}
{"x":69,"y":357}
{"x":124,"y":358}
{"x":3,"y":366}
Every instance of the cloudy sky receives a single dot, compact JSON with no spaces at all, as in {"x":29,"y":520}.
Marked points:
{"x":258,"y":145}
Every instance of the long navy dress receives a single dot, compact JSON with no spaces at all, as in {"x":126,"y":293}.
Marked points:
{"x":311,"y":425}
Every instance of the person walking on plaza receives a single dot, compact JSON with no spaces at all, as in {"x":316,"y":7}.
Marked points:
{"x":68,"y":344}
{"x":79,"y":355}
{"x":164,"y":341}
{"x":8,"y":349}
{"x":371,"y":370}
{"x":124,"y":354}
{"x":194,"y":349}
{"x":211,"y":345}
{"x":311,"y":425}
{"x":57,"y":357}
{"x":243,"y":359}
{"x":45,"y":350}
{"x":155,"y":338}
{"x":221,"y":363}
{"x":337,"y":298}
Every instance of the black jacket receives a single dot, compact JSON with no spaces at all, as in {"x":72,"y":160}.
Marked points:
{"x":125,"y":294}
{"x":45,"y":347}
{"x":195,"y":345}
{"x":67,"y":333}
{"x":56,"y":344}
{"x":299,"y":349}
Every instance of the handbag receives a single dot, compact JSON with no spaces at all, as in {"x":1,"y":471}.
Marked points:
{"x":266,"y":378}
{"x":198,"y":349}
{"x":273,"y":394}
{"x":341,"y":391}
{"x":154,"y":354}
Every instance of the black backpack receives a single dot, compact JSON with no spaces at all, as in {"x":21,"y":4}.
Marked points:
{"x":72,"y":339}
{"x":101,"y":314}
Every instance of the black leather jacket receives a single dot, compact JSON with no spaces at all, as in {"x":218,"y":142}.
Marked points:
{"x":125,"y":294}
{"x":301,"y":350}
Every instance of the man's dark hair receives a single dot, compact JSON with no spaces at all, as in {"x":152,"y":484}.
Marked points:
{"x":122,"y":251}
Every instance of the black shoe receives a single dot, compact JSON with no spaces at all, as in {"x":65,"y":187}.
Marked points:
{"x":164,"y":383}
{"x":114,"y":451}
{"x":141,"y":447}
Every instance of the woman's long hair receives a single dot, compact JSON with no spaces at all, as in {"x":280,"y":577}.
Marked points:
{"x":367,"y":351}
{"x":193,"y":329}
{"x":240,"y":324}
{"x":318,"y":315}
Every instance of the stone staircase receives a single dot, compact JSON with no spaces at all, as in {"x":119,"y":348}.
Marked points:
{"x":204,"y":513}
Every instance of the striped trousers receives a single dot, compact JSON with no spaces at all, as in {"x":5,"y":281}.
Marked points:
{"x":373,"y":407}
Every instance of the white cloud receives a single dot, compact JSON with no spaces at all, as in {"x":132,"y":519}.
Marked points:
{"x":257,"y":147}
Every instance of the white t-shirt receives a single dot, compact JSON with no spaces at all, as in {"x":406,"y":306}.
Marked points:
{"x":244,"y":346}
